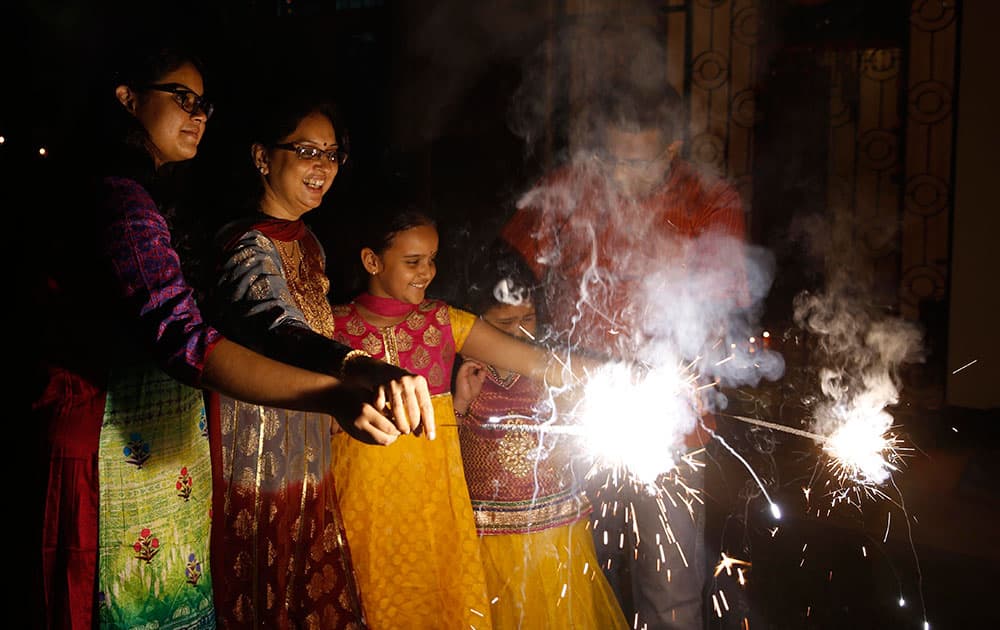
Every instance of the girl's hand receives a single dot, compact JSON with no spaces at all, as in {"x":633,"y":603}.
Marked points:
{"x":468,"y":383}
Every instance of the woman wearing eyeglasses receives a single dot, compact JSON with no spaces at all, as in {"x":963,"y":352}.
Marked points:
{"x":123,"y":353}
{"x":278,"y":544}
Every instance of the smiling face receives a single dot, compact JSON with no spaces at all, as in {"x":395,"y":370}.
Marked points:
{"x":173,"y":134}
{"x":404,"y":269}
{"x":294,"y":186}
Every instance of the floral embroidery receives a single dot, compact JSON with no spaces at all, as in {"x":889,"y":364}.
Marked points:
{"x":420,"y":358}
{"x":193,"y":570}
{"x":513,"y":451}
{"x":442,"y":316}
{"x":146,"y":546}
{"x":432,"y":336}
{"x":435,"y":376}
{"x":415,"y":321}
{"x":203,"y":424}
{"x":355,"y":326}
{"x":372,"y":345}
{"x":136,"y":451}
{"x":404,"y":342}
{"x":184,"y":484}
{"x":448,"y":353}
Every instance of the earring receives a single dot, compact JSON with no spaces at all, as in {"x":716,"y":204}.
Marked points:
{"x":262,"y":169}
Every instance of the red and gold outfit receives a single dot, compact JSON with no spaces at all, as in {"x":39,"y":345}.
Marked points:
{"x":278,"y":541}
{"x":531,"y":515}
{"x":406,"y":508}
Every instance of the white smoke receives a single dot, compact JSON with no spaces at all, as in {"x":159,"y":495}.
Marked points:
{"x":508,"y":292}
{"x":860,"y":348}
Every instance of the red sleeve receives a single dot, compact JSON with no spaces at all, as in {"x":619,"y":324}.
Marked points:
{"x":722,"y":215}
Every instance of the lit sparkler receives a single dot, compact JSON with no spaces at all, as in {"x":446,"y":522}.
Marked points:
{"x":636,"y":423}
{"x":862,"y":449}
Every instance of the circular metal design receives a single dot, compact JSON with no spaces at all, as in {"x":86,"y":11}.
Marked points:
{"x":707,"y":148}
{"x":743,"y":108}
{"x":880,"y":64}
{"x":878,"y":149}
{"x":710,"y":70}
{"x":926,"y":195}
{"x":932,"y":15}
{"x":879,"y":237}
{"x":746,"y":26}
{"x":921,"y":282}
{"x":930,"y":101}
{"x":711,"y":4}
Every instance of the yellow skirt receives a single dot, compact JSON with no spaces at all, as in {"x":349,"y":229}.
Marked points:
{"x":410,"y":530}
{"x":549,"y":579}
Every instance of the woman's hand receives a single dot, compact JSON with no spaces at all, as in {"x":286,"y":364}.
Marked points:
{"x":468,"y":383}
{"x":351,"y":410}
{"x":394,"y":392}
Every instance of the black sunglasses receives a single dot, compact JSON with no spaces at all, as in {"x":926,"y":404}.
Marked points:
{"x":185,"y":98}
{"x":338,"y":156}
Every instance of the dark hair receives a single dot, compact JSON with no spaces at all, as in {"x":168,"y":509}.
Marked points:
{"x":636,"y":108}
{"x":271,"y":126}
{"x":501,"y":263}
{"x":384,"y":208}
{"x":391,"y":209}
{"x":137,"y":65}
{"x":285,"y":114}
{"x":125,"y":153}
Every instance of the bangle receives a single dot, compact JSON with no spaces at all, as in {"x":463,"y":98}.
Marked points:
{"x":350,"y":356}
{"x":461,"y":414}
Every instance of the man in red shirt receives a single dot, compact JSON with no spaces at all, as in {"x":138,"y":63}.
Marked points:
{"x":636,"y":249}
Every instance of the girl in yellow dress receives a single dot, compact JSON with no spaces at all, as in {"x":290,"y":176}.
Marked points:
{"x":407,"y":510}
{"x":531,"y":512}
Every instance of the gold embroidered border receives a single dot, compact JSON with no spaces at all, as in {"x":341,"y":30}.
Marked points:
{"x":391,"y":347}
{"x":530,"y":516}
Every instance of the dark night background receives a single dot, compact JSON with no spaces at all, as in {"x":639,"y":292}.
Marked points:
{"x":427,"y":88}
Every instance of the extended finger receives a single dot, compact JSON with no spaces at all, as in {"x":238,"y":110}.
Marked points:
{"x":412,"y":401}
{"x":423,"y":396}
{"x":399,"y":410}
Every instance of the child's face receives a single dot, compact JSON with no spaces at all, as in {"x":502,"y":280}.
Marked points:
{"x":407,"y":267}
{"x":514,"y":320}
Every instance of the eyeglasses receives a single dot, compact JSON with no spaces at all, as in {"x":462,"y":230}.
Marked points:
{"x":338,"y":156}
{"x":610,"y":160}
{"x":185,"y":98}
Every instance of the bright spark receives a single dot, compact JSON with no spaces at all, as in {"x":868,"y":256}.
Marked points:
{"x":636,"y":423}
{"x":863,"y":452}
{"x":727,"y":563}
{"x":965,"y":366}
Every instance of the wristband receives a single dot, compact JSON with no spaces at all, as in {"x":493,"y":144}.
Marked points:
{"x":350,"y":356}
